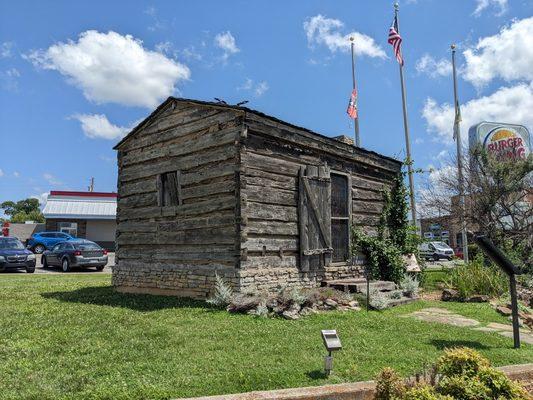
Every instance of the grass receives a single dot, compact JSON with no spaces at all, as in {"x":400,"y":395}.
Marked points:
{"x":72,"y":336}
{"x":432,"y":278}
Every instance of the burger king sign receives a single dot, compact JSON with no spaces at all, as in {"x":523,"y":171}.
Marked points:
{"x":502,"y":141}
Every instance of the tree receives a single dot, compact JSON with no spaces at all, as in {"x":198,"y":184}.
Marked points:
{"x":498,"y":200}
{"x":23,"y":210}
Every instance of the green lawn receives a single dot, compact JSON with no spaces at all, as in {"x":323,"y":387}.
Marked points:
{"x":72,"y":336}
{"x":432,"y":278}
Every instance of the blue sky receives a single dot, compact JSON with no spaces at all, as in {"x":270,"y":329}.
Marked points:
{"x":74,"y":76}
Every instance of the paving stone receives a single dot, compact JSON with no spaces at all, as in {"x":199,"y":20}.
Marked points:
{"x":436,"y":310}
{"x":448,"y":319}
{"x":485,"y":329}
{"x":524,"y":338}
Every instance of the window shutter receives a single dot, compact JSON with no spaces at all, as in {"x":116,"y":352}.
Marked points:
{"x":315,"y":217}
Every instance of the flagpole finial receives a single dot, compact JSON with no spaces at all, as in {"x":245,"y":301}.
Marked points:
{"x":352,"y":38}
{"x":396,"y":5}
{"x":453,"y":46}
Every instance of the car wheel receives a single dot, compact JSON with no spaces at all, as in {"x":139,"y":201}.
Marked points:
{"x":30,"y":270}
{"x":65,"y":265}
{"x":436,"y":257}
{"x":100,"y":268}
{"x":39,"y":249}
{"x":44,"y":263}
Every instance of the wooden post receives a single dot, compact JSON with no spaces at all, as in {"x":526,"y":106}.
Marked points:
{"x":514,"y":307}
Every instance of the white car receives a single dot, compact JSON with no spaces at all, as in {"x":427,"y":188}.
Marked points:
{"x":435,"y":251}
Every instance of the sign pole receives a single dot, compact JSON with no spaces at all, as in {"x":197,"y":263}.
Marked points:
{"x":406,"y":128}
{"x":457,"y":137}
{"x":356,"y":120}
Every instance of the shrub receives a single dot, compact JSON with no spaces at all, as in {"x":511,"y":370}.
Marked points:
{"x":223,"y":293}
{"x":378,"y":301}
{"x":383,"y":258}
{"x":424,"y":392}
{"x":389,"y":385}
{"x":261,"y":310}
{"x":410,"y":286}
{"x":500,"y":386}
{"x":461,"y":361}
{"x":464,"y":387}
{"x":475,"y":278}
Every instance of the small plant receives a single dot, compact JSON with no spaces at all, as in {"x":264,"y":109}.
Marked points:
{"x":377,"y":300}
{"x":475,"y":278}
{"x":424,"y":392}
{"x":389,"y":385}
{"x":261,"y":310}
{"x":223,"y":293}
{"x":410,"y":286}
{"x":396,"y":295}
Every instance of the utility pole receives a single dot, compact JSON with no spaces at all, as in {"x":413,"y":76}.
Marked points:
{"x":356,"y":120}
{"x":457,"y":137}
{"x":406,"y":129}
{"x":91,"y":186}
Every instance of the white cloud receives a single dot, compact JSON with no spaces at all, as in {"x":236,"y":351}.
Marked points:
{"x":5,"y":49}
{"x":508,"y":55}
{"x":261,"y":88}
{"x":51,"y":179}
{"x":258,"y":89}
{"x":1,"y":173}
{"x":508,"y":104}
{"x":98,"y":126}
{"x":16,"y":174}
{"x":110,"y":67}
{"x":226,"y":42}
{"x":327,"y":31}
{"x":9,"y":79}
{"x":499,"y":5}
{"x":434,"y":68}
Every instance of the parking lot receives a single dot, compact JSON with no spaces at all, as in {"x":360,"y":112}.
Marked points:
{"x":56,"y":270}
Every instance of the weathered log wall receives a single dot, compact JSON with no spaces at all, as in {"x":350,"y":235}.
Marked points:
{"x":178,"y":249}
{"x":270,"y":162}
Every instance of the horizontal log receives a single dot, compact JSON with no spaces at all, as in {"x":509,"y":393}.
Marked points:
{"x":256,"y":176}
{"x":187,"y":145}
{"x":137,"y":187}
{"x":225,"y":186}
{"x":207,"y":173}
{"x":270,"y":244}
{"x":223,"y":218}
{"x":270,"y":195}
{"x":362,"y":207}
{"x":270,"y":164}
{"x":367,"y":184}
{"x":209,"y":156}
{"x":218,"y":235}
{"x":216,"y":203}
{"x":363,"y":194}
{"x":272,"y":227}
{"x":270,"y":212}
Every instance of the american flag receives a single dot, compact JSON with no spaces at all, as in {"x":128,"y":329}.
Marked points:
{"x":352,"y":105}
{"x":396,"y":41}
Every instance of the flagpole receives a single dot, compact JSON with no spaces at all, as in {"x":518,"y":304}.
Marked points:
{"x":457,"y":136}
{"x":406,"y":128}
{"x":356,"y":120}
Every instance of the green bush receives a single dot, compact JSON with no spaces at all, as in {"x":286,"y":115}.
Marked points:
{"x":383,"y":259}
{"x":475,"y":278}
{"x":424,"y":392}
{"x":461,"y":361}
{"x":464,"y":388}
{"x":462,"y":374}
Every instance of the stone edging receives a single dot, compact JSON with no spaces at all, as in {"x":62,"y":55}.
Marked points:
{"x":348,"y":391}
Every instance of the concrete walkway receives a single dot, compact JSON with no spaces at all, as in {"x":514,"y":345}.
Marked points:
{"x":444,"y":316}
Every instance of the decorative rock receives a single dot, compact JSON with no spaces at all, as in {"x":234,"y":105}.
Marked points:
{"x":450,"y":295}
{"x":480,"y":298}
{"x":353,"y":304}
{"x":331,"y":303}
{"x":290,"y":315}
{"x":504,"y":310}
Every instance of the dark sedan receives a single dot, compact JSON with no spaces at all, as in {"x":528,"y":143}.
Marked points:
{"x":75,"y":253}
{"x":13,"y":255}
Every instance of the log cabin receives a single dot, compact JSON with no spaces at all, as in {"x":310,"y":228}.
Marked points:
{"x":206,"y":188}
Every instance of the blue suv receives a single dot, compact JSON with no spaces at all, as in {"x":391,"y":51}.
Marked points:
{"x":42,"y":241}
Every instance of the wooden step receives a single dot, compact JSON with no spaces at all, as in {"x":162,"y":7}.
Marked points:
{"x":359,"y":285}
